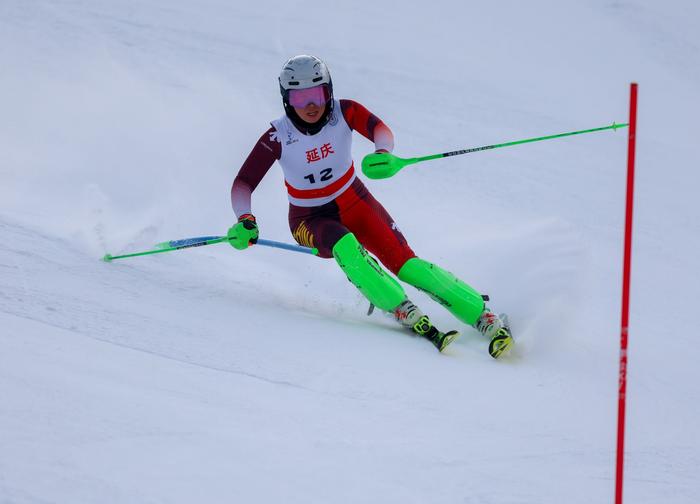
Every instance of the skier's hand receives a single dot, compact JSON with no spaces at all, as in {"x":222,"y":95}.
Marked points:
{"x":244,"y":233}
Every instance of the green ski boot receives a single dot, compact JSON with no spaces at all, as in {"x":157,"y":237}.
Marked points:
{"x":497,"y":329}
{"x":410,"y":316}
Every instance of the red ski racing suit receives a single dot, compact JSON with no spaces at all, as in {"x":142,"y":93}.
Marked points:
{"x":326,"y":198}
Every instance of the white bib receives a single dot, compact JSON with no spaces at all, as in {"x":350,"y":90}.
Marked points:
{"x":317,"y":168}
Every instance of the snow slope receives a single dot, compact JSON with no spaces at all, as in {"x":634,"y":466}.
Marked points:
{"x":217,"y":376}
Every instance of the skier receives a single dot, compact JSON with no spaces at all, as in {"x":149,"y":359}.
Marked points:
{"x":332,"y":210}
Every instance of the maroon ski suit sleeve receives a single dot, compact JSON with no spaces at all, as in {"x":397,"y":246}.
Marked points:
{"x":266,"y":151}
{"x":368,"y":125}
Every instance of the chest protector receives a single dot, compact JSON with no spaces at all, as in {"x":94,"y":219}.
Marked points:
{"x":317,"y":168}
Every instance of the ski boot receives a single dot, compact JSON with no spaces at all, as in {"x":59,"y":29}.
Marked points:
{"x":497,"y":329}
{"x":409,"y":315}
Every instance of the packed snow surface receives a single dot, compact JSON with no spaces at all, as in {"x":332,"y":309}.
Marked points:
{"x":212,"y":375}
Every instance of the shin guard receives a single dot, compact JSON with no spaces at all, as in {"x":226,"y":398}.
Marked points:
{"x":381,"y":289}
{"x":460,"y":299}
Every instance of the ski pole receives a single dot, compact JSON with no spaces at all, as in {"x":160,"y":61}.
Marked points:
{"x":379,"y":166}
{"x":197,"y":242}
{"x":201,"y":241}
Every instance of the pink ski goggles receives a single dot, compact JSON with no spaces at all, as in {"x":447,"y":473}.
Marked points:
{"x":300,"y":98}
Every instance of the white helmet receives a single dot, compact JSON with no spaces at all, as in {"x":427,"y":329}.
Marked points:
{"x":302,"y":72}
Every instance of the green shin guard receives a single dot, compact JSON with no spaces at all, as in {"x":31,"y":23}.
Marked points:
{"x":382,"y":290}
{"x":460,"y":299}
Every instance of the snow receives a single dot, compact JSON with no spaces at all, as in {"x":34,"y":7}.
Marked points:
{"x":216,"y":375}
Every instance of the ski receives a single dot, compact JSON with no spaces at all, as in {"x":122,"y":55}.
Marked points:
{"x":441,"y":340}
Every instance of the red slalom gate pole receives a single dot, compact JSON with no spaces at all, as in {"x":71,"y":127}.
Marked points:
{"x":626,"y":274}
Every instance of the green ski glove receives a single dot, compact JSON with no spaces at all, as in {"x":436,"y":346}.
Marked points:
{"x":244,"y":233}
